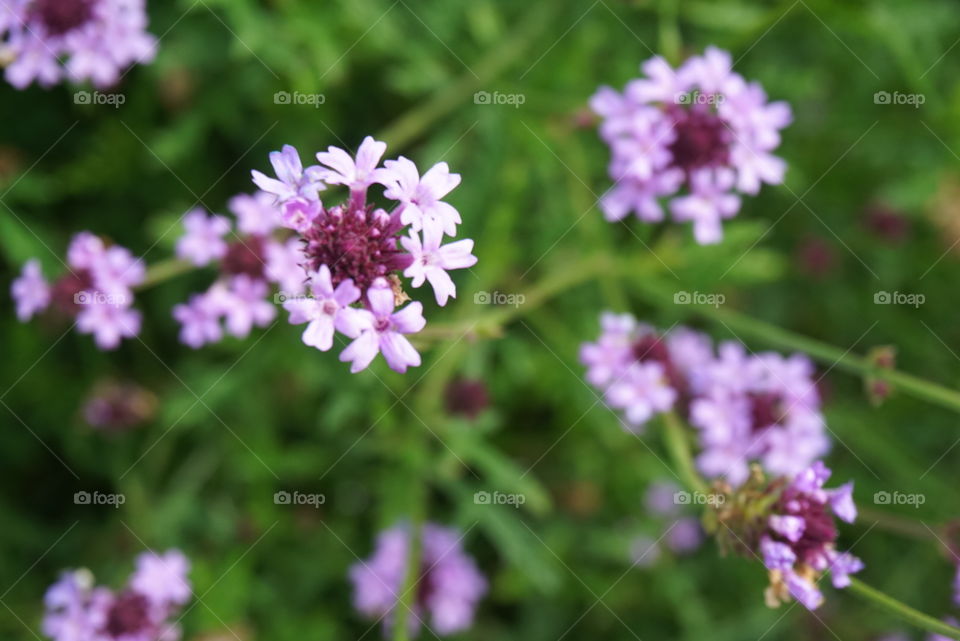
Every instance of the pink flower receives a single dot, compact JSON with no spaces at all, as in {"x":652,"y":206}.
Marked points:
{"x":380,"y":330}
{"x":257,"y":214}
{"x":343,"y":170}
{"x":292,"y":180}
{"x":430,"y":260}
{"x":421,"y":196}
{"x":162,"y":578}
{"x":203,"y":241}
{"x":30,"y":291}
{"x":322,"y":310}
{"x":199,"y":320}
{"x":243,"y":304}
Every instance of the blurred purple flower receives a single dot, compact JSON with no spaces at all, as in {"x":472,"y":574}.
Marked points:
{"x":448,"y":584}
{"x":203,"y":241}
{"x":700,"y":126}
{"x":95,"y":40}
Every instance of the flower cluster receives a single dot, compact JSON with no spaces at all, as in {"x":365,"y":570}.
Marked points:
{"x":447,"y":587}
{"x":797,"y":541}
{"x":256,"y":254}
{"x":699,"y":135}
{"x":48,"y":40}
{"x":77,"y":610}
{"x":97,"y":291}
{"x":761,"y":407}
{"x":355,"y":251}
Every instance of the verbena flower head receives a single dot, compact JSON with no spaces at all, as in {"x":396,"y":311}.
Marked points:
{"x":790,"y":523}
{"x":697,"y":136}
{"x":97,"y":292}
{"x":762,"y":407}
{"x":77,"y":610}
{"x":355,"y":252}
{"x":80,"y":40}
{"x":447,"y":589}
{"x":253,"y":253}
{"x":642,"y":371}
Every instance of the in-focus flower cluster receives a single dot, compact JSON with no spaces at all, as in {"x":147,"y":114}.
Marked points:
{"x":354,"y":252}
{"x":446,"y":589}
{"x":45,"y":41}
{"x":97,"y":291}
{"x":699,"y":135}
{"x":763,"y":407}
{"x":78,"y":610}
{"x":254,"y":255}
{"x":791,"y":525}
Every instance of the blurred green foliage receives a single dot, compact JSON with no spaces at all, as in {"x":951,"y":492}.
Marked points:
{"x":244,"y":419}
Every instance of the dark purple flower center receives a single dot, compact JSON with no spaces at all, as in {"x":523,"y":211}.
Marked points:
{"x":128,"y":615}
{"x":652,"y":348}
{"x":464,"y":397}
{"x":246,"y":256}
{"x":702,"y":138}
{"x":61,"y":16}
{"x":354,"y":242}
{"x":382,"y":323}
{"x":819,"y":529}
{"x":766,"y":410}
{"x":64,"y":291}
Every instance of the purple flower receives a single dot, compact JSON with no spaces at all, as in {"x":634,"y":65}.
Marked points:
{"x":97,"y":291}
{"x":799,"y":543}
{"x":109,"y":323}
{"x":430,"y":260}
{"x":642,"y":372}
{"x":257,"y":215}
{"x":420,"y":197}
{"x":76,"y":610}
{"x":81,"y":40}
{"x":322,"y":310}
{"x":292,"y":180}
{"x":30,"y":291}
{"x":701,"y":127}
{"x":203,"y":241}
{"x":199,"y":320}
{"x":381,"y":330}
{"x":343,"y":170}
{"x":661,"y":499}
{"x":243,"y":305}
{"x":367,"y":246}
{"x":684,"y":536}
{"x":762,"y":407}
{"x":162,"y":578}
{"x":448,"y":584}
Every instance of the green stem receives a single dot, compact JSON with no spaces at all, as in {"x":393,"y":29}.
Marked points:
{"x":678,"y":446}
{"x":903,"y":611}
{"x":165,"y":270}
{"x":823,"y":352}
{"x":680,"y":454}
{"x":670,"y":41}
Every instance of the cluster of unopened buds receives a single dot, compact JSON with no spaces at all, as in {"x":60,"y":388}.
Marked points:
{"x":699,"y":135}
{"x":790,"y":523}
{"x":746,"y":407}
{"x":354,"y":252}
